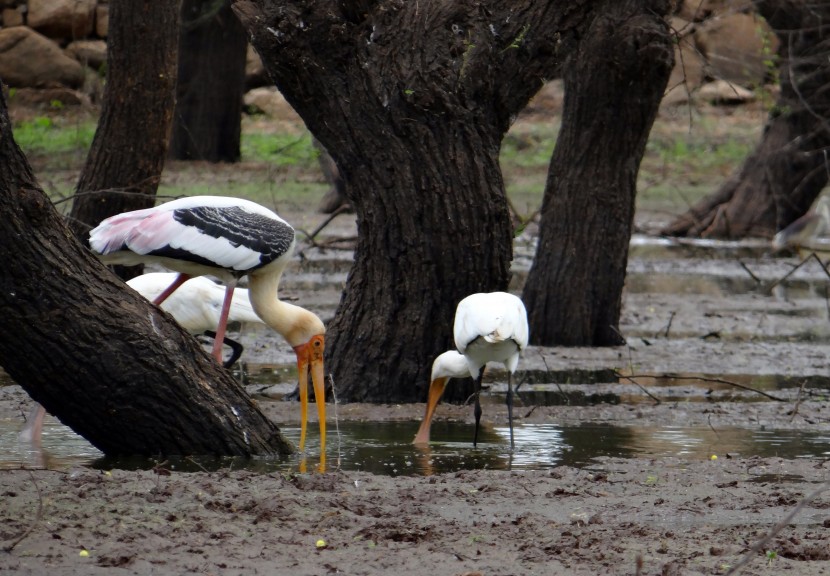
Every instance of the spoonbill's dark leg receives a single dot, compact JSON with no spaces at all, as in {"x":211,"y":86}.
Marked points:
{"x":180,"y":279}
{"x":477,"y":410}
{"x":236,"y":349}
{"x":510,"y":405}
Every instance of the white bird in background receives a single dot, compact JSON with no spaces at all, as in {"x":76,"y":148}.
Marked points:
{"x":197,"y":305}
{"x":489,"y":327}
{"x":227,"y":238}
{"x":803,"y":233}
{"x":446,"y":366}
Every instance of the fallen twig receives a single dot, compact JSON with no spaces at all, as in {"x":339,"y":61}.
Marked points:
{"x":761,"y":544}
{"x":714,"y":380}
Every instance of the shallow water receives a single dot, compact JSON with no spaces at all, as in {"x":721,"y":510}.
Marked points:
{"x":385,"y":448}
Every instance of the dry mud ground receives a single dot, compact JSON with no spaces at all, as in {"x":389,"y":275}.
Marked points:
{"x":669,"y":516}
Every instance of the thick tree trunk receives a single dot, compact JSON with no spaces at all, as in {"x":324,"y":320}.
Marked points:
{"x":212,"y":49}
{"x":123,"y":168}
{"x":574,"y":290}
{"x":98,"y":356}
{"x":412,"y":100}
{"x":786,"y":172}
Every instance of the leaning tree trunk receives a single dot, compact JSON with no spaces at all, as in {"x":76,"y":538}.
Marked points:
{"x":124,"y":164}
{"x":780,"y":179}
{"x":574,"y":289}
{"x":212,"y":49}
{"x":99,"y":357}
{"x":412,"y":100}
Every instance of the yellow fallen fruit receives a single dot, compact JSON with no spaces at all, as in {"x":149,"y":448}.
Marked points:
{"x":321,"y":543}
{"x":84,"y":553}
{"x":713,"y":457}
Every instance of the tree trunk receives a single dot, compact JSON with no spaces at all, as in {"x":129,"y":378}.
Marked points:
{"x":212,"y":50}
{"x":123,"y":168}
{"x":574,"y":289}
{"x":111,"y":366}
{"x":786,"y":172}
{"x":412,"y":100}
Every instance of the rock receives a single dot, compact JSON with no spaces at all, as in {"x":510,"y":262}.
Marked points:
{"x":28,"y":59}
{"x":738,"y":48}
{"x":687,"y":74}
{"x":255,"y":74}
{"x":269,"y":101}
{"x":12,"y":17}
{"x":102,"y":20}
{"x":723,"y":92}
{"x":62,"y":18}
{"x":92,"y":53}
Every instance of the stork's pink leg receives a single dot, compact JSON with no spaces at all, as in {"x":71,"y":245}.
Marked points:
{"x":180,"y":279}
{"x":223,"y":322}
{"x":33,"y":430}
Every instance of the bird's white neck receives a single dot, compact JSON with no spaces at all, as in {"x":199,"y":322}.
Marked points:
{"x":297,"y":325}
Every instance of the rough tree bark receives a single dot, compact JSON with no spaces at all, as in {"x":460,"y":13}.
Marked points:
{"x":782,"y":177}
{"x":100,"y":358}
{"x":573,"y":292}
{"x":412,"y":100}
{"x":211,"y":79}
{"x":123,"y":168}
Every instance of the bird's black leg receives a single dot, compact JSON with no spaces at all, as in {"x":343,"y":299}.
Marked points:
{"x":236,"y":349}
{"x":510,"y":405}
{"x":477,"y":410}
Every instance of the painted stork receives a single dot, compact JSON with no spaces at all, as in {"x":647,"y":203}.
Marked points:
{"x":227,"y":238}
{"x":488,"y":327}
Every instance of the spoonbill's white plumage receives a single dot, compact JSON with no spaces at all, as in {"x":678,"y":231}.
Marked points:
{"x":197,"y":304}
{"x":488,"y":327}
{"x":196,"y":307}
{"x":446,"y":366}
{"x":227,"y":238}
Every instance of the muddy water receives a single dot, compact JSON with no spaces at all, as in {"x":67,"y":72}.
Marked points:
{"x":704,"y":324}
{"x":385,"y":447}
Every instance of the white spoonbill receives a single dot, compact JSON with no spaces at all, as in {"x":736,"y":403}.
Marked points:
{"x":446,"y":366}
{"x":197,"y":305}
{"x":227,"y":238}
{"x":488,"y":327}
{"x":803,"y":233}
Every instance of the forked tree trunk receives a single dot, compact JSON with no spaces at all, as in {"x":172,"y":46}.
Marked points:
{"x":124,"y":164}
{"x":574,"y":290}
{"x":211,"y":79}
{"x":412,"y":100}
{"x":111,"y":366}
{"x":781,"y":178}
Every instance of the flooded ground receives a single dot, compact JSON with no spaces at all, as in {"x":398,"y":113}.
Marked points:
{"x":675,"y":454}
{"x":701,"y":444}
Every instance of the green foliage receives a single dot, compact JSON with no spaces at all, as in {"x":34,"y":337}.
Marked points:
{"x":44,"y":136}
{"x":280,"y":149}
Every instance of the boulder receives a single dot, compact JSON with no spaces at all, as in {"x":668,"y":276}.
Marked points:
{"x":28,"y":59}
{"x":62,"y":19}
{"x":738,"y":48}
{"x":12,"y":17}
{"x":102,"y":20}
{"x":92,"y":53}
{"x":723,"y":92}
{"x":687,"y":74}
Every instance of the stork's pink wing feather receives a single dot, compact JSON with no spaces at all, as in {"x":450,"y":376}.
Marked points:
{"x":112,"y":233}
